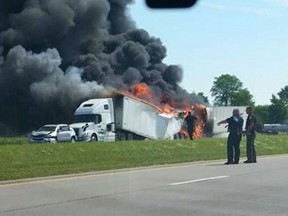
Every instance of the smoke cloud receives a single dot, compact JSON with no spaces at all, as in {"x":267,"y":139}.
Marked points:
{"x":54,"y":54}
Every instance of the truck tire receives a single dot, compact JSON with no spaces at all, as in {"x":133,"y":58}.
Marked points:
{"x":93,"y":138}
{"x":73,"y":140}
{"x":130,"y":136}
{"x":122,"y":136}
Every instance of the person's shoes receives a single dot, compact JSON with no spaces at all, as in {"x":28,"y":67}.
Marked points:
{"x":235,"y":162}
{"x":228,"y":163}
{"x":247,"y":161}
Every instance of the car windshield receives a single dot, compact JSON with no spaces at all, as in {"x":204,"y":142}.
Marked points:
{"x":47,"y":128}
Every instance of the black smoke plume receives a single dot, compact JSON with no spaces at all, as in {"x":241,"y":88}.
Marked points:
{"x":54,"y":54}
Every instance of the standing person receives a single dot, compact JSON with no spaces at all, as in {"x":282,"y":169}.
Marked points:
{"x":190,"y":120}
{"x":235,"y":125}
{"x":250,"y":134}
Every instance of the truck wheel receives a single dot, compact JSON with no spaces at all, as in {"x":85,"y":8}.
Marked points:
{"x":73,"y":140}
{"x":94,"y":138}
{"x":130,"y":136}
{"x":122,"y":136}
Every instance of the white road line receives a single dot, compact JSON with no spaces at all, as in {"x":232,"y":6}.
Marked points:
{"x":197,"y":180}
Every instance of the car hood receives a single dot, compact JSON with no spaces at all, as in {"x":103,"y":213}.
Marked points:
{"x":41,"y":133}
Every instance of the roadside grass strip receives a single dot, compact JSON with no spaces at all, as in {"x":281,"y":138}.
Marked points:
{"x":20,"y":159}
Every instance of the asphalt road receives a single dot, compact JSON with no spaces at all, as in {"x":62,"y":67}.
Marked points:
{"x":206,"y":188}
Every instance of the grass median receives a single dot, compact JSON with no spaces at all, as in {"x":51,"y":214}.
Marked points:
{"x":19,"y":159}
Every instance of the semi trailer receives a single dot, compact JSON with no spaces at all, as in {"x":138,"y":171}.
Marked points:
{"x":123,"y":118}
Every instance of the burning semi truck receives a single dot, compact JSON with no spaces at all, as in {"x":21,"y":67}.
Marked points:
{"x":123,"y":118}
{"x":128,"y":117}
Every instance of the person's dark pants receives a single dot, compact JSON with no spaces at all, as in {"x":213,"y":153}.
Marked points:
{"x":233,"y":148}
{"x":250,"y":148}
{"x":190,"y":133}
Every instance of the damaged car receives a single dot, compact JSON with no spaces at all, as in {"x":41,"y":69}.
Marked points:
{"x":53,"y":133}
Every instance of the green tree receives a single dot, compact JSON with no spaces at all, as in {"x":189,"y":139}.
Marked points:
{"x":228,"y":90}
{"x":278,"y":112}
{"x":283,"y":95}
{"x":242,"y":97}
{"x":262,"y":113}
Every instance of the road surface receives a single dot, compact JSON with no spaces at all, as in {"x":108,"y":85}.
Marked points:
{"x":204,"y":188}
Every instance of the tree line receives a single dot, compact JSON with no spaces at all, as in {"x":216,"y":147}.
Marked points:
{"x":228,"y":90}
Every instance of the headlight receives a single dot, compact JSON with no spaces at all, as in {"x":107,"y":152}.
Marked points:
{"x":51,"y":135}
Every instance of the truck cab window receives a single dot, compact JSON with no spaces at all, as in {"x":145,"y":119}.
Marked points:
{"x":106,"y":107}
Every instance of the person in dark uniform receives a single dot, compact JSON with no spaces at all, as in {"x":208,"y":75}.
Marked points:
{"x":190,"y":120}
{"x":250,"y":134}
{"x":235,"y":125}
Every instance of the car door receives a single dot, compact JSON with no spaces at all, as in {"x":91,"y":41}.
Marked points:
{"x":63,"y":134}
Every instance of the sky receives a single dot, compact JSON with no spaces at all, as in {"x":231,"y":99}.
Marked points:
{"x":248,"y":39}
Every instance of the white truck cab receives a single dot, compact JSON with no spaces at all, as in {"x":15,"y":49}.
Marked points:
{"x":94,"y":120}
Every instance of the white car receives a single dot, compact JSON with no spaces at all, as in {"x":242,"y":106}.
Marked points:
{"x":53,"y":133}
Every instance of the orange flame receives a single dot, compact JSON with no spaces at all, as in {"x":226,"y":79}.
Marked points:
{"x":199,"y":111}
{"x":201,"y":114}
{"x":184,"y":133}
{"x":167,"y":109}
{"x":141,"y":92}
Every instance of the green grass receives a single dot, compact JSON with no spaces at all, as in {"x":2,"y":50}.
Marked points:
{"x":19,"y":159}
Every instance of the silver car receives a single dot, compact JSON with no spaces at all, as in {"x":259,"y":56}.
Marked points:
{"x":53,"y":133}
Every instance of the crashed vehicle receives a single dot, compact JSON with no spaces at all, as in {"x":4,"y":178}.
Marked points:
{"x":53,"y":133}
{"x":123,"y":118}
